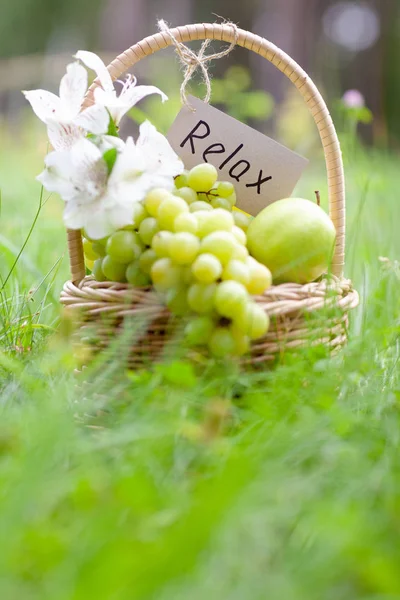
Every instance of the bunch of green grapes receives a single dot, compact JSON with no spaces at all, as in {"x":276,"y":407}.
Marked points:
{"x":126,"y":255}
{"x":203,"y":271}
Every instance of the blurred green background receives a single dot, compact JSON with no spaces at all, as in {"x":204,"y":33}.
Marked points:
{"x":342,"y":45}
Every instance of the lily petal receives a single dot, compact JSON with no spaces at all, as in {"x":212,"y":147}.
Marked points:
{"x":78,"y":174}
{"x":161,"y":159}
{"x":90,"y":170}
{"x":58,"y":174}
{"x":106,"y":142}
{"x":129,"y":96}
{"x":94,"y":62}
{"x":45,"y":105}
{"x":94,"y":119}
{"x":121,"y":214}
{"x":129,"y":165}
{"x":73,"y":87}
{"x":90,"y":217}
{"x":63,"y":136}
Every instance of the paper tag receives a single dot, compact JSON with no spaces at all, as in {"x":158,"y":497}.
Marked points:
{"x":262,"y":170}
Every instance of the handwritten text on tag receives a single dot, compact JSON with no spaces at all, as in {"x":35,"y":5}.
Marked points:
{"x":262,"y":170}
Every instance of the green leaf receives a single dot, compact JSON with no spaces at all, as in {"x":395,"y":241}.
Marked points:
{"x":110,"y":156}
{"x":112,"y":128}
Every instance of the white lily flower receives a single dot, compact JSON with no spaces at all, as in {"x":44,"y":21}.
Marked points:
{"x":106,"y":95}
{"x":65,"y":123}
{"x":101,"y":203}
{"x":161,"y":159}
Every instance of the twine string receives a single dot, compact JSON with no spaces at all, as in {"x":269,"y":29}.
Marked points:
{"x":192,"y":61}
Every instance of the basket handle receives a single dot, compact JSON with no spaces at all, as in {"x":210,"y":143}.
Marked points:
{"x":283,"y":62}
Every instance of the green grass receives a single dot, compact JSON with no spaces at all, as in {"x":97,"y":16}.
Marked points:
{"x":172,"y":484}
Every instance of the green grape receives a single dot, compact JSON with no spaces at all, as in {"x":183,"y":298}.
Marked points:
{"x":201,"y":297}
{"x":236,"y":270}
{"x":169,"y":210}
{"x":241,"y":220}
{"x":239,"y":235}
{"x":260,"y":278}
{"x":147,"y":230}
{"x":97,"y":270}
{"x":165,"y":275}
{"x":160,"y":243}
{"x":207,"y":268}
{"x":187,"y":194}
{"x":221,"y":203}
{"x":186,"y":222}
{"x":114,"y":271}
{"x":240,"y":252}
{"x":224,"y":188}
{"x":232,"y":199}
{"x":135,"y":275}
{"x":138,"y":241}
{"x":200,"y":205}
{"x":176,"y":301}
{"x":258,"y":322}
{"x":123,"y":246}
{"x":220,"y":243}
{"x":202,"y":217}
{"x":146,"y":260}
{"x":204,"y":196}
{"x":202,"y":177}
{"x":198,"y":331}
{"x":139,"y":214}
{"x":231,"y":298}
{"x":216,"y":220}
{"x":153,"y":200}
{"x":242,"y":341}
{"x":88,"y":250}
{"x":183,"y":248}
{"x":181,"y":180}
{"x":99,"y":248}
{"x":222,"y":342}
{"x":253,"y":321}
{"x":187,"y":275}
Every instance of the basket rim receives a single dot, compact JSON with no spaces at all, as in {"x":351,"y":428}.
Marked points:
{"x":95,"y":297}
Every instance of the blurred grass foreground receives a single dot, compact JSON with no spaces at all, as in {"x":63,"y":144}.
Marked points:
{"x":172,"y":483}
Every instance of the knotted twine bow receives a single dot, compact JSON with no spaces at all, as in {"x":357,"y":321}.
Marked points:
{"x":191,"y":61}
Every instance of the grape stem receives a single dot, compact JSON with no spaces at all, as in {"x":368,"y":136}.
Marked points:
{"x":318,"y":196}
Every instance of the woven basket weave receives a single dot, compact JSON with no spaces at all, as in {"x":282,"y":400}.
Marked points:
{"x":290,"y":306}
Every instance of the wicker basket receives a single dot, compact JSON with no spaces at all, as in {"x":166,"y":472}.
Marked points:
{"x":300,"y":314}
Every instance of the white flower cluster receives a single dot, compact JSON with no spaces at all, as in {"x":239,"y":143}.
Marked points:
{"x":99,"y":176}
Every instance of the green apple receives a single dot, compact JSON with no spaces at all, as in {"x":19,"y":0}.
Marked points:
{"x":294,"y":238}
